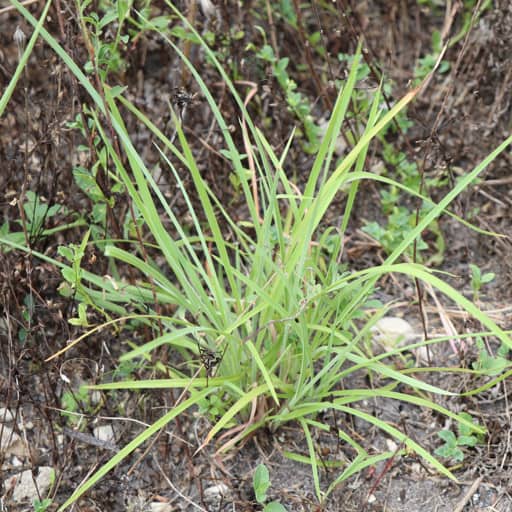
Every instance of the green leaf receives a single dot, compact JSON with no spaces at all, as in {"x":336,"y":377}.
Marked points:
{"x":436,"y":41}
{"x":450,"y":452}
{"x":87,"y":182}
{"x":274,"y":506}
{"x":467,"y":441}
{"x":69,"y":275}
{"x":82,"y":316}
{"x":41,"y":505}
{"x":183,"y":34}
{"x":488,"y":277}
{"x":65,"y":252}
{"x":464,"y":429}
{"x":118,"y":90}
{"x":109,"y":17}
{"x":160,"y":23}
{"x":448,"y":436}
{"x":123,"y":8}
{"x":89,"y":67}
{"x":261,"y":483}
{"x":475,"y":272}
{"x":491,"y":365}
{"x":266,"y":53}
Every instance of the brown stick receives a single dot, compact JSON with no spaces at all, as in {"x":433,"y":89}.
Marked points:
{"x":465,"y":500}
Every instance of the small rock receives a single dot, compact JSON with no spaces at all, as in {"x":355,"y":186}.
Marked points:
{"x":422,"y":354}
{"x":207,"y":7}
{"x":11,"y":443}
{"x":16,"y":463}
{"x":24,"y":488}
{"x":6,"y":415}
{"x":416,"y":468}
{"x":340,"y":146}
{"x":391,"y":332}
{"x":96,"y":397}
{"x":160,"y":507}
{"x":217,"y":491}
{"x":104,"y":433}
{"x":8,"y":438}
{"x":391,"y":445}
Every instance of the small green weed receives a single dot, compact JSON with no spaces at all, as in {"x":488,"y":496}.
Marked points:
{"x":468,"y":14}
{"x":37,"y":213}
{"x":427,"y":63}
{"x":489,"y":364}
{"x":42,"y":505}
{"x":451,"y":449}
{"x":399,"y":219}
{"x":74,"y":402}
{"x":213,"y":406}
{"x":73,"y":284}
{"x":478,"y":280}
{"x":105,"y":50}
{"x":296,"y":101}
{"x":27,"y":312}
{"x":261,"y":484}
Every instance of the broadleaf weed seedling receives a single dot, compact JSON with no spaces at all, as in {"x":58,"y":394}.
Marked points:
{"x":297,"y":102}
{"x":399,"y":218}
{"x":42,"y":505}
{"x":104,"y":51}
{"x":73,"y":402}
{"x":37,"y":213}
{"x":27,"y":313}
{"x":427,"y":63}
{"x":451,"y":449}
{"x":478,"y":279}
{"x":73,"y":284}
{"x":487,"y":362}
{"x":261,"y":484}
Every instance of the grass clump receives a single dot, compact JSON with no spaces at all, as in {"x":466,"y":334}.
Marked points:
{"x":265,"y":316}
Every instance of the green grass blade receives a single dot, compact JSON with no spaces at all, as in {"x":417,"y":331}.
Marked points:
{"x":134,"y":444}
{"x":312,"y":458}
{"x":6,"y":96}
{"x":263,"y":370}
{"x":238,"y":406}
{"x":326,"y":149}
{"x":401,"y":437}
{"x":176,"y":383}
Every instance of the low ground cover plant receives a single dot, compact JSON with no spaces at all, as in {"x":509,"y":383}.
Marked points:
{"x":266,"y":319}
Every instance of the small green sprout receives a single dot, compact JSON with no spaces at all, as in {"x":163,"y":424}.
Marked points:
{"x":452,"y":443}
{"x":478,"y":280}
{"x":261,"y":483}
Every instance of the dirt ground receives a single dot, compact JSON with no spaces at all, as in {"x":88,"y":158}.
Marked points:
{"x":462,"y":115}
